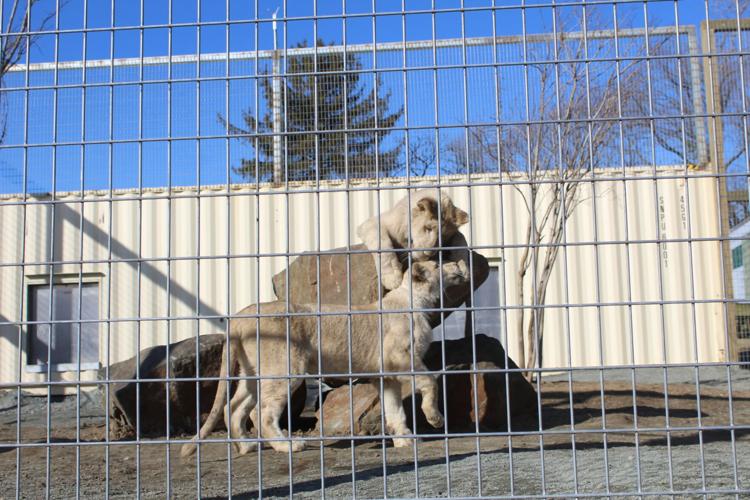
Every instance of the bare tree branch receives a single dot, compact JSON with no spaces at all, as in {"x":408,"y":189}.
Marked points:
{"x":15,"y":43}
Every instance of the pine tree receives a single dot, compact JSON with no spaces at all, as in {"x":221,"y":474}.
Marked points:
{"x":345,"y":119}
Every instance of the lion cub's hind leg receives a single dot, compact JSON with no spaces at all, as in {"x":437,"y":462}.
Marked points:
{"x":244,"y":400}
{"x":273,"y":395}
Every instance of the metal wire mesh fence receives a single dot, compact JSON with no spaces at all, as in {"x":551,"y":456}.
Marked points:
{"x":457,"y":248}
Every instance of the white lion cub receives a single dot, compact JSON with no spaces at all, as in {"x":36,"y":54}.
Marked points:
{"x":394,"y":231}
{"x":422,"y":284}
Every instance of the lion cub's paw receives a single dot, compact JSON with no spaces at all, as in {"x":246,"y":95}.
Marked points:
{"x":402,"y":442}
{"x":298,"y":445}
{"x":285,"y":446}
{"x":435,"y":419}
{"x":188,"y":449}
{"x":392,"y":279}
{"x":244,"y":447}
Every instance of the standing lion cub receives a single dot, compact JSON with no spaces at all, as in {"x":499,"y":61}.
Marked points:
{"x":406,"y":336}
{"x":394,"y":231}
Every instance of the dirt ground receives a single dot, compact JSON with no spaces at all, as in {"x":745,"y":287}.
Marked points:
{"x":604,"y":455}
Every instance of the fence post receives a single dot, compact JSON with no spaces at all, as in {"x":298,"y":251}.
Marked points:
{"x":716,"y":139}
{"x":276,"y":87}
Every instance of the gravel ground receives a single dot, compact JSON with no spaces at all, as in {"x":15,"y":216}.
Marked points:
{"x":593,"y":474}
{"x":634,"y":457}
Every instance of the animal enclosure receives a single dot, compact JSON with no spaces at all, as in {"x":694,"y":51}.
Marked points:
{"x":167,"y":164}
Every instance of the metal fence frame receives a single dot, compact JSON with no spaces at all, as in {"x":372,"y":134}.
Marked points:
{"x":284,"y":189}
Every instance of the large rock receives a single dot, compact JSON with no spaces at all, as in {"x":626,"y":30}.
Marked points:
{"x":182,"y":395}
{"x":492,"y":402}
{"x":363,"y":280}
{"x":365,"y":406}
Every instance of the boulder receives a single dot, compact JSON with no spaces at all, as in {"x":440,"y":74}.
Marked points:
{"x":182,"y":395}
{"x":365,"y":406}
{"x":363,"y":281}
{"x":492,"y":402}
{"x":331,"y":268}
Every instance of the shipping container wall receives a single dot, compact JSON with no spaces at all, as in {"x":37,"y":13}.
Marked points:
{"x":638,"y":279}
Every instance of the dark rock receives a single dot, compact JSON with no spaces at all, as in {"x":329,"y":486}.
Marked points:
{"x":182,"y":395}
{"x":492,"y":401}
{"x":363,"y":281}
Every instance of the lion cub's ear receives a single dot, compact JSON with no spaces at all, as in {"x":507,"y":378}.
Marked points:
{"x":427,"y":205}
{"x":419,"y":272}
{"x":460,"y":217}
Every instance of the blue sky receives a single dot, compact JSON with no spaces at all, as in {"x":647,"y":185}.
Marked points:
{"x":169,"y":126}
{"x":388,"y":19}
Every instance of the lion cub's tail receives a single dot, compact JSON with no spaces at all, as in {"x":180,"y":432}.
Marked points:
{"x":220,"y":400}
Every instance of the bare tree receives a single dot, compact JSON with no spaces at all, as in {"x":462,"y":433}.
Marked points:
{"x":572,"y":130}
{"x":16,"y":39}
{"x":481,"y":149}
{"x":727,"y":9}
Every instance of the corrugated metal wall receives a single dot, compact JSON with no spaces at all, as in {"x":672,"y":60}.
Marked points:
{"x":611,"y":313}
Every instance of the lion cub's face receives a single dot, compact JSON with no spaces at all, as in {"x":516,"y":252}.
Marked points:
{"x":424,"y":225}
{"x":425,"y":277}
